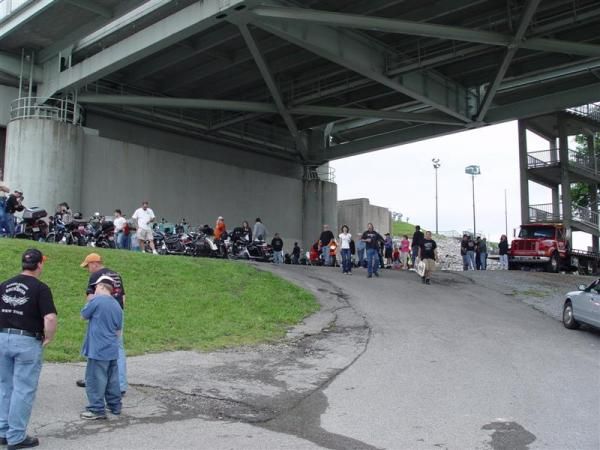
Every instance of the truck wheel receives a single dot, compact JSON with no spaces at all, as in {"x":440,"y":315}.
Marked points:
{"x":554,"y":264}
{"x":513,"y":266}
{"x":567,"y":316}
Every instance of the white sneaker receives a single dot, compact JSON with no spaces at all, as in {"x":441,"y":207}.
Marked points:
{"x":154,"y":252}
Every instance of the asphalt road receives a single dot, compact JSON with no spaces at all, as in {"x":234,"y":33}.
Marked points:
{"x":389,"y":363}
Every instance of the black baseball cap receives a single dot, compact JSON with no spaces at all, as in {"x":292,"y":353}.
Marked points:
{"x":33,"y":256}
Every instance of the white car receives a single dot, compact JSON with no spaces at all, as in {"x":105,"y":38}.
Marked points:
{"x":582,"y":306}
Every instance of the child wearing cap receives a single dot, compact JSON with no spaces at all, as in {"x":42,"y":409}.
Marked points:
{"x":101,"y":348}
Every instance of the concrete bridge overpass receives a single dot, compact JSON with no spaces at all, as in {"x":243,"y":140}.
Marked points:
{"x":227,"y":107}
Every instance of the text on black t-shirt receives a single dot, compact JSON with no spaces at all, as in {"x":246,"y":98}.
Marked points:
{"x":119,"y":291}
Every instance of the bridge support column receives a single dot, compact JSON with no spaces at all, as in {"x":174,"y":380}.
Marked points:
{"x":594,"y":198}
{"x":565,"y":182}
{"x":523,"y":171}
{"x":44,"y":159}
{"x":319,"y":208}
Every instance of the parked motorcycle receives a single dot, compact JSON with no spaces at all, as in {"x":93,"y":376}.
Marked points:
{"x":32,"y":226}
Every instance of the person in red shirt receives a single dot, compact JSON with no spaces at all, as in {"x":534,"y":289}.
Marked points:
{"x":220,"y":228}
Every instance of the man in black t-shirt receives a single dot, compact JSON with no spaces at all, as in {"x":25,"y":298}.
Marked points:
{"x":277,"y":244}
{"x":372,"y":240}
{"x":95,"y":266}
{"x":428,"y":254}
{"x":27,"y":324}
{"x":324,"y":239}
{"x":415,"y":245}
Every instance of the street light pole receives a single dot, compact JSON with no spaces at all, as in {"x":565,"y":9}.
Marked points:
{"x":436,"y":166}
{"x":473,"y":170}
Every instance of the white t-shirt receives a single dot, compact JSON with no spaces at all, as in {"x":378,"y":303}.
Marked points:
{"x":143,"y":218}
{"x":345,"y":238}
{"x":119,"y":223}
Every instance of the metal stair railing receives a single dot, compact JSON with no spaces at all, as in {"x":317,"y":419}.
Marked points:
{"x":590,"y":111}
{"x":58,"y":109}
{"x":585,"y":216}
{"x":549,"y":158}
{"x":581,"y":214}
{"x":544,"y":213}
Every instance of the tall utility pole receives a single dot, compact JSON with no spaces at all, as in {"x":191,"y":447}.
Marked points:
{"x":505,"y":215}
{"x":473,"y":170}
{"x":436,"y":166}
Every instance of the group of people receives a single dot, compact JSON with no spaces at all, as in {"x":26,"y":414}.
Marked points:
{"x":474,"y":252}
{"x":28,"y":323}
{"x":374,"y":250}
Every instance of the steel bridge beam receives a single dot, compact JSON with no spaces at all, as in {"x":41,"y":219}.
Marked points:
{"x":510,"y":54}
{"x":91,"y":6}
{"x":360,"y":56}
{"x":264,"y":108}
{"x":291,"y":15}
{"x":166,"y":32}
{"x":24,"y":15}
{"x":273,"y":89}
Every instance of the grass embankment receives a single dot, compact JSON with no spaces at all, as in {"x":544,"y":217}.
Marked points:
{"x":399,"y":229}
{"x":173,"y":303}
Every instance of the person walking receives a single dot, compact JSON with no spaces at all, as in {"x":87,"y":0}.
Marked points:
{"x":259,"y":231}
{"x":463,"y":252}
{"x":296,"y":254}
{"x":483,"y":253}
{"x":417,"y":240}
{"x":428,"y":254}
{"x":361,"y":249}
{"x":345,"y":240}
{"x":95,"y":266}
{"x":144,"y":217}
{"x":404,"y":251}
{"x":101,"y":348}
{"x":388,"y":245}
{"x":477,"y":253}
{"x":277,"y":244}
{"x":471,"y":252}
{"x":27,"y":325}
{"x":324,"y":240}
{"x":372,"y":239}
{"x":503,"y":252}
{"x":121,"y":230}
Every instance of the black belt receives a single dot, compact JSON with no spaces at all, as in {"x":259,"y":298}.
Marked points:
{"x":38,"y":336}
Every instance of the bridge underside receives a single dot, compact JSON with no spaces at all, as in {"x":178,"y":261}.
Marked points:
{"x":308,"y":81}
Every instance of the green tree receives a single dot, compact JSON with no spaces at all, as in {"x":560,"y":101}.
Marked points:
{"x":580,"y":192}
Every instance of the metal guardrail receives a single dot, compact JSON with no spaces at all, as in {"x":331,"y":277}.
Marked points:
{"x":319,"y":173}
{"x":58,"y":109}
{"x":545,"y":213}
{"x":549,"y":158}
{"x":591,"y":111}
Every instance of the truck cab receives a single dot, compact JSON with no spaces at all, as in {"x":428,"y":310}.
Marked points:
{"x":541,"y":244}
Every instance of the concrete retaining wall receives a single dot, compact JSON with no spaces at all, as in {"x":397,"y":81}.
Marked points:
{"x":54,"y":162}
{"x":358,"y":212}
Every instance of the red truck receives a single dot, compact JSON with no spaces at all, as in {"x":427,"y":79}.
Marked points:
{"x":545,"y":246}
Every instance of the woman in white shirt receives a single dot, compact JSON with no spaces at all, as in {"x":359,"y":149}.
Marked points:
{"x":345,"y":239}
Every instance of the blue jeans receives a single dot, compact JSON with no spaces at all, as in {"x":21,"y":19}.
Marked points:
{"x":471,"y":258}
{"x":483,"y":260}
{"x":278,"y":257}
{"x":414,"y":254}
{"x":9,"y":224}
{"x":372,"y":260}
{"x":123,"y":242}
{"x":360,"y":256}
{"x":2,"y":216}
{"x":325,"y":253}
{"x":20,"y":367}
{"x":346,"y":260}
{"x":102,"y":383}
{"x":465,"y":259}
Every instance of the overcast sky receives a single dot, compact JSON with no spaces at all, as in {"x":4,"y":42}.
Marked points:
{"x":402,"y":179}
